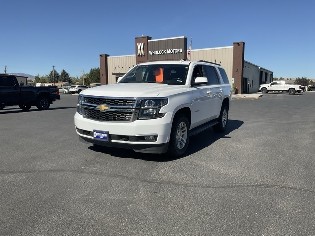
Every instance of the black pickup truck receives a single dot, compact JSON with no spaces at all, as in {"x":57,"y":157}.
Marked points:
{"x":12,"y":94}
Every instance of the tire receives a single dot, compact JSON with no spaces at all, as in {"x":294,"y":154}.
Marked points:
{"x":25,"y":107}
{"x":43,"y":103}
{"x":292,"y":91}
{"x":264,"y":90}
{"x":179,"y":139}
{"x":223,"y":120}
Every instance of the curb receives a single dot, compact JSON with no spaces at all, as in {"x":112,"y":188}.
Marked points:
{"x":247,"y":96}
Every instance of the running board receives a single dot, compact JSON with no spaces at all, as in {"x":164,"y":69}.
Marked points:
{"x":203,"y":127}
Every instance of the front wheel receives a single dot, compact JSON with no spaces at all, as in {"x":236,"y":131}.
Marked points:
{"x":291,"y":91}
{"x":43,"y":103}
{"x":179,"y":137}
{"x":25,"y":107}
{"x":223,"y":120}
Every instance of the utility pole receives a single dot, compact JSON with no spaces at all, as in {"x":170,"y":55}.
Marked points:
{"x":5,"y":69}
{"x":83,"y":76}
{"x":53,"y":74}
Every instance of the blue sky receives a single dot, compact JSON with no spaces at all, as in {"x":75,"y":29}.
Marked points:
{"x":37,"y":34}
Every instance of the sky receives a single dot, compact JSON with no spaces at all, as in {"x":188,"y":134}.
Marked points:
{"x":36,"y":35}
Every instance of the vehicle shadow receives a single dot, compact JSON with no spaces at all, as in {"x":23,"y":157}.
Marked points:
{"x":197,"y":143}
{"x":18,"y":110}
{"x":286,"y":93}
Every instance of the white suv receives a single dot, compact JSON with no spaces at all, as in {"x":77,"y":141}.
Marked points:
{"x":155,"y":107}
{"x":77,"y":88}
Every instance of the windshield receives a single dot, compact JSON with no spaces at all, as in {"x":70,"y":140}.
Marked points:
{"x":158,"y":73}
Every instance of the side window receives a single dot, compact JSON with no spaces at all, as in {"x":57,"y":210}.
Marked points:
{"x":224,"y":76}
{"x":197,"y":73}
{"x":212,"y":75}
{"x":7,"y":82}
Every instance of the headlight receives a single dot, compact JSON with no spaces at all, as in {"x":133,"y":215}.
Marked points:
{"x":80,"y":99}
{"x":150,"y":108}
{"x":79,"y":105}
{"x":154,"y":103}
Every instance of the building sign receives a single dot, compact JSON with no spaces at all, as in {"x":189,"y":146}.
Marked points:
{"x":140,"y":47}
{"x":166,"y":51}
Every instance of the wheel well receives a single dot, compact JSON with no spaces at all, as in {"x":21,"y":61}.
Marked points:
{"x":184,"y":112}
{"x":226,"y":103}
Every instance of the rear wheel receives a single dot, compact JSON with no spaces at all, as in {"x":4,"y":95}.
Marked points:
{"x":43,"y":103}
{"x":25,"y":107}
{"x":179,"y":136}
{"x":223,"y":120}
{"x":264,"y":90}
{"x":291,"y":91}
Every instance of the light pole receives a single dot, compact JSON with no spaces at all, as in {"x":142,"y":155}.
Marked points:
{"x":53,"y":74}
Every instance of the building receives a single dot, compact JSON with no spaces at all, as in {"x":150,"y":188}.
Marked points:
{"x":244,"y":76}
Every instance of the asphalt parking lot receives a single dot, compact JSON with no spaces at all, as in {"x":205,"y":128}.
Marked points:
{"x":257,"y":179}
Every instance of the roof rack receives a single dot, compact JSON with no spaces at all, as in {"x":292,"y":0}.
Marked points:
{"x":210,"y":62}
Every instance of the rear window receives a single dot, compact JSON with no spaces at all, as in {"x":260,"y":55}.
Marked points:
{"x":7,"y":81}
{"x":224,"y":76}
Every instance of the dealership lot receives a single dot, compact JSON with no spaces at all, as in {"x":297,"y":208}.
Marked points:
{"x":257,"y":179}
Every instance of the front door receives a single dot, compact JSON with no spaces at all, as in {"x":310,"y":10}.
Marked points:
{"x":9,"y":90}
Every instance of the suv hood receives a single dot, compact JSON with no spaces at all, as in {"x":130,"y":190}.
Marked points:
{"x":134,"y":90}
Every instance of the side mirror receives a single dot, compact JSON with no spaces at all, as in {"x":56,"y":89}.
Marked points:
{"x":201,"y":80}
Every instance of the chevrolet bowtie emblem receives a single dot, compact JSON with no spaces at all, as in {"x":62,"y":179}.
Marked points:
{"x":102,"y":107}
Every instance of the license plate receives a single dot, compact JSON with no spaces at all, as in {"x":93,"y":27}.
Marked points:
{"x":101,"y":135}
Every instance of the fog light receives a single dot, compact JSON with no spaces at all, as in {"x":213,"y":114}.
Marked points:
{"x":150,"y":138}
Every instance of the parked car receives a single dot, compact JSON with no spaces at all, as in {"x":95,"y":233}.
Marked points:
{"x":95,"y":84}
{"x":12,"y":94}
{"x":155,"y":107}
{"x":64,"y":89}
{"x":281,"y":86}
{"x":77,"y":88}
{"x":311,"y":87}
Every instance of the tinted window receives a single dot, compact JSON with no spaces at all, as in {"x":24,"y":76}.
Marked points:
{"x":224,"y":76}
{"x":198,"y":72}
{"x":212,"y":75}
{"x":157,"y":73}
{"x":7,"y":81}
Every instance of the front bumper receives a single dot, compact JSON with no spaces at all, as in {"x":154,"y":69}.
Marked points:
{"x":130,"y":135}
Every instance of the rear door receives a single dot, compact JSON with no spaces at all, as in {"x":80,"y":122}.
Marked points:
{"x":9,"y":90}
{"x":214,"y":90}
{"x":205,"y":102}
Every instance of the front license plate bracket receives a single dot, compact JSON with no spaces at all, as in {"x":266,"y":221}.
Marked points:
{"x":101,"y":135}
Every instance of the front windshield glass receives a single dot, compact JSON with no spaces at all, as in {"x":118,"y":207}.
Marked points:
{"x":158,"y":73}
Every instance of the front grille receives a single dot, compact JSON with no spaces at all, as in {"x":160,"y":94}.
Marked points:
{"x":118,"y":109}
{"x":110,"y":101}
{"x":108,"y":115}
